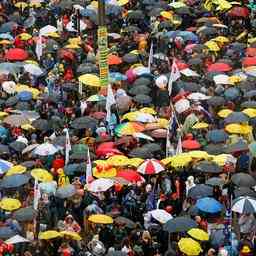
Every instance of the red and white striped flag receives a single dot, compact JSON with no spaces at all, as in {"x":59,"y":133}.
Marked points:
{"x":89,"y":177}
{"x":174,"y":76}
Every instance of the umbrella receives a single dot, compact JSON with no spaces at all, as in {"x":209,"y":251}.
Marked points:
{"x":142,"y":89}
{"x":207,"y":167}
{"x":142,"y":99}
{"x":199,"y":191}
{"x":49,"y":234}
{"x":244,"y":205}
{"x":236,"y":117}
{"x":18,"y":146}
{"x":8,"y":27}
{"x":16,"y":169}
{"x":24,"y":214}
{"x":209,"y":205}
{"x":216,"y":101}
{"x":71,"y":169}
{"x":231,"y":93}
{"x":135,"y":15}
{"x":215,"y":181}
{"x":29,"y":148}
{"x":141,"y":153}
{"x":217,"y":136}
{"x":189,"y":246}
{"x":73,"y":235}
{"x":130,"y":175}
{"x":191,"y":144}
{"x":41,"y":125}
{"x":66,"y":191}
{"x":11,"y":101}
{"x":4,"y":166}
{"x":33,"y":69}
{"x":14,"y":181}
{"x":244,"y":191}
{"x":84,"y":123}
{"x":16,"y":120}
{"x":161,"y":215}
{"x":41,"y":175}
{"x":100,"y":185}
{"x":45,"y":149}
{"x":219,"y":67}
{"x":243,"y":179}
{"x":198,"y":234}
{"x":79,"y":151}
{"x":179,"y":224}
{"x":16,"y":240}
{"x":238,"y":11}
{"x":6,"y":232}
{"x":151,"y":166}
{"x":100,"y":219}
{"x":130,"y":58}
{"x":128,"y":128}
{"x":16,"y":54}
{"x":125,"y":221}
{"x":47,"y":30}
{"x":10,"y":204}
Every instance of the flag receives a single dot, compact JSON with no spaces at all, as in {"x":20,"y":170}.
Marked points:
{"x":39,"y":48}
{"x":88,"y":168}
{"x":174,"y":76}
{"x":179,"y":147}
{"x":169,"y":147}
{"x":109,"y":102}
{"x":36,"y":194}
{"x":150,"y":58}
{"x":67,"y":147}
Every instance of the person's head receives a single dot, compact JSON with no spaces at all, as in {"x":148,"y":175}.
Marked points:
{"x":69,"y":219}
{"x":146,"y":237}
{"x":211,"y":252}
{"x":198,"y":219}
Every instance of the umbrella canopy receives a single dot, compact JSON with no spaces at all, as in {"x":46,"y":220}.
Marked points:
{"x":207,"y":167}
{"x":6,"y":232}
{"x":16,"y":240}
{"x":16,"y":120}
{"x":215,"y":181}
{"x":49,"y":234}
{"x":151,"y":166}
{"x":219,"y":67}
{"x":179,"y":224}
{"x":18,"y":146}
{"x":130,"y":175}
{"x":244,"y":205}
{"x":125,"y":221}
{"x":84,"y":123}
{"x":198,"y":234}
{"x":4,"y":166}
{"x":236,"y":117}
{"x":209,"y":205}
{"x":189,"y":246}
{"x":100,"y":185}
{"x":10,"y":204}
{"x":199,"y":191}
{"x":45,"y":149}
{"x":41,"y":175}
{"x":243,"y":180}
{"x":24,"y":214}
{"x":14,"y":181}
{"x":16,"y":54}
{"x":66,"y":191}
{"x":100,"y":219}
{"x":244,"y":191}
{"x":217,"y":136}
{"x":161,"y":215}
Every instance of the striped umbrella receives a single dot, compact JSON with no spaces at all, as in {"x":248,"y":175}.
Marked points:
{"x":244,"y":204}
{"x":151,"y":166}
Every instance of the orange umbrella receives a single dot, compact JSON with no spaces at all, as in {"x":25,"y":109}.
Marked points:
{"x":114,"y":60}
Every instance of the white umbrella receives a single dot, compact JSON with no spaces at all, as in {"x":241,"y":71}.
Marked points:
{"x":188,"y":72}
{"x":161,"y":215}
{"x":141,"y":135}
{"x":100,"y":185}
{"x":244,"y":205}
{"x":198,"y":96}
{"x":70,"y":26}
{"x":9,"y":87}
{"x":33,"y":69}
{"x":30,"y":115}
{"x":145,"y":118}
{"x":47,"y":29}
{"x":17,"y":239}
{"x":29,"y":148}
{"x":182,"y":105}
{"x":221,"y":79}
{"x":45,"y":149}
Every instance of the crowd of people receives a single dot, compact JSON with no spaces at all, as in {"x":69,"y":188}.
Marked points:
{"x":158,"y":161}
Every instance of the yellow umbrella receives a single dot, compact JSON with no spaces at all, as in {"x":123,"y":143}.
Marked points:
{"x":212,"y":46}
{"x":49,"y":234}
{"x":100,"y":219}
{"x":122,"y":2}
{"x":75,"y":40}
{"x":136,"y":52}
{"x":177,"y":5}
{"x":148,"y":111}
{"x":71,"y":234}
{"x":198,"y":154}
{"x":17,"y":169}
{"x":41,"y":175}
{"x":5,"y":41}
{"x":118,"y":160}
{"x":94,"y":4}
{"x":24,"y":36}
{"x":27,"y":127}
{"x":163,"y":123}
{"x":3,"y":114}
{"x":221,"y":159}
{"x":22,"y":87}
{"x":200,"y":125}
{"x":90,"y":80}
{"x":235,"y":79}
{"x":251,"y":112}
{"x":131,"y":116}
{"x":180,"y":160}
{"x":53,"y":34}
{"x":221,"y":39}
{"x":100,"y":162}
{"x":198,"y":234}
{"x":10,"y":204}
{"x":21,"y":5}
{"x":102,"y":172}
{"x":238,"y":128}
{"x":224,"y":113}
{"x":189,"y":246}
{"x":135,"y":161}
{"x":35,"y":5}
{"x":72,"y":46}
{"x":167,"y":15}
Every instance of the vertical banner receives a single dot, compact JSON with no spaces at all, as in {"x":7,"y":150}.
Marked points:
{"x":103,"y":55}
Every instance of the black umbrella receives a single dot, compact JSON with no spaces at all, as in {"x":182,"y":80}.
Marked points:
{"x":250,"y":94}
{"x":244,"y":191}
{"x":152,"y":147}
{"x":237,"y":147}
{"x":216,"y":101}
{"x":199,"y":191}
{"x":208,"y":31}
{"x":243,"y":180}
{"x":72,"y":169}
{"x":142,"y":81}
{"x":86,"y":68}
{"x":130,"y":58}
{"x":142,"y":89}
{"x":60,"y":141}
{"x":195,"y":61}
{"x":41,"y":124}
{"x":155,"y":12}
{"x":214,"y":149}
{"x":142,"y":99}
{"x":215,"y":181}
{"x":248,"y":104}
{"x":29,"y":22}
{"x":236,"y":117}
{"x":165,"y":25}
{"x":217,"y":136}
{"x":135,"y":15}
{"x":126,"y":222}
{"x":131,"y":28}
{"x":18,"y":146}
{"x":22,"y":105}
{"x":116,"y":253}
{"x":141,"y":153}
{"x":85,"y":122}
{"x":207,"y":167}
{"x":70,"y":87}
{"x":189,"y":86}
{"x":4,"y":150}
{"x":179,"y":224}
{"x":237,"y":46}
{"x":217,"y":238}
{"x":28,"y":164}
{"x":11,"y":101}
{"x":183,"y":10}
{"x":14,"y":181}
{"x":6,"y":232}
{"x":25,"y":214}
{"x":56,"y":122}
{"x":8,"y":27}
{"x":66,"y":191}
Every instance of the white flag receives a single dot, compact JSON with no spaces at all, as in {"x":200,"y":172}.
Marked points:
{"x":67,"y":147}
{"x":39,"y":48}
{"x":179,"y":146}
{"x":174,"y":76}
{"x":88,"y":168}
{"x":150,"y":58}
{"x":36,"y":194}
{"x":110,"y":101}
{"x":170,"y":151}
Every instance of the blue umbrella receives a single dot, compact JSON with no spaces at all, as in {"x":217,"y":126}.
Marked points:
{"x":6,"y":36}
{"x":25,"y":96}
{"x":209,"y":205}
{"x":14,"y":181}
{"x":113,"y":10}
{"x":217,"y":136}
{"x":188,"y":36}
{"x":8,"y":26}
{"x":116,"y":76}
{"x":88,"y":13}
{"x":6,"y":232}
{"x":231,"y":93}
{"x":3,"y":132}
{"x":4,"y":166}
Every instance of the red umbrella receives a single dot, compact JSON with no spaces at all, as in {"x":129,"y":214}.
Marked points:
{"x":130,"y":175}
{"x":151,"y":166}
{"x":249,"y":61}
{"x":251,"y":52}
{"x":67,"y":54}
{"x":219,"y":67}
{"x":191,"y":144}
{"x":16,"y":54}
{"x":107,"y":148}
{"x":114,"y":60}
{"x":181,"y":65}
{"x":239,"y":12}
